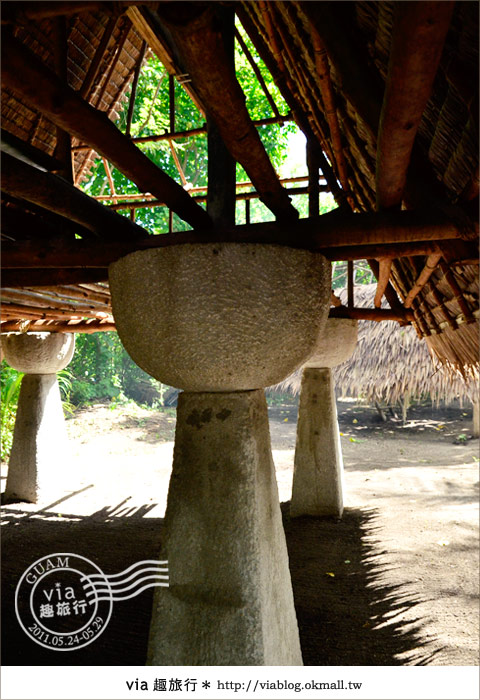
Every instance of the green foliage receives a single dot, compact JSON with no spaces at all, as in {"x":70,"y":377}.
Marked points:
{"x":10,"y":389}
{"x":102,"y":370}
{"x":151,"y":117}
{"x":362,"y":273}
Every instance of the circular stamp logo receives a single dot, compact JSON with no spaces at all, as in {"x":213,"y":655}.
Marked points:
{"x":63,"y":601}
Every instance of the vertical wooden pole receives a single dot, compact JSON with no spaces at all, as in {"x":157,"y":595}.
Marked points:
{"x":247,"y":211}
{"x":221,"y":165}
{"x":313,"y":165}
{"x":63,"y":151}
{"x":133,"y":94}
{"x":350,"y":281}
{"x":171,"y":101}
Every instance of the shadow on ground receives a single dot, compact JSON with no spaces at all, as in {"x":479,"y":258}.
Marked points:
{"x":346,"y":615}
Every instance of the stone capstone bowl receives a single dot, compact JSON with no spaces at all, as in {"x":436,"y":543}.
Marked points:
{"x":38,"y":353}
{"x":220,"y":317}
{"x":335,"y":344}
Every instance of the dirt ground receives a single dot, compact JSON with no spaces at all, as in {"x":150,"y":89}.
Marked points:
{"x":395,"y":582}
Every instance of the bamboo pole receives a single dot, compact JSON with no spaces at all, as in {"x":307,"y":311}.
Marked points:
{"x":457,"y":292}
{"x":326,"y":89}
{"x":58,"y":326}
{"x":424,"y":276}
{"x":24,"y":74}
{"x":363,"y":314}
{"x":133,"y":93}
{"x":257,"y":72}
{"x":187,"y":133}
{"x":89,"y":79}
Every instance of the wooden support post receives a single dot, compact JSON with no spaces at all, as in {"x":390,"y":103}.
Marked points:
{"x":350,"y":283}
{"x":313,"y":166}
{"x":389,"y":291}
{"x":385,"y":265}
{"x":171,"y":102}
{"x":221,"y":165}
{"x":63,"y":151}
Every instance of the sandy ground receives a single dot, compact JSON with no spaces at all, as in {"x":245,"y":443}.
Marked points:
{"x":395,"y":582}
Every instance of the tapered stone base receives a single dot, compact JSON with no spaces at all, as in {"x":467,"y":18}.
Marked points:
{"x":37,"y":462}
{"x":318,"y":474}
{"x":230,"y":598}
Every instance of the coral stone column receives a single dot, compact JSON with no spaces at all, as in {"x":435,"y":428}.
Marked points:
{"x":221,"y":322}
{"x":318,"y":472}
{"x":37,"y":464}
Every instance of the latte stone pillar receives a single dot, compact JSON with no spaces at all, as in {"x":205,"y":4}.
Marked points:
{"x":222,"y":321}
{"x":318,"y":471}
{"x":36,"y":469}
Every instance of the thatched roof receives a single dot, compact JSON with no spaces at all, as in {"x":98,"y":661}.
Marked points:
{"x":389,"y":363}
{"x":385,"y":92}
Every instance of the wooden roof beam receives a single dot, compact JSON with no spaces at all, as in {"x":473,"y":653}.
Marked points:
{"x":298,"y":113}
{"x":41,"y":277}
{"x":16,"y":12}
{"x":419,"y":34}
{"x":92,"y":326}
{"x":331,"y":233}
{"x":193,"y":28}
{"x":23,"y":73}
{"x":55,"y":194}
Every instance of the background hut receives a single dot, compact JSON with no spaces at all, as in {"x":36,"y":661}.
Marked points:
{"x":391,"y":366}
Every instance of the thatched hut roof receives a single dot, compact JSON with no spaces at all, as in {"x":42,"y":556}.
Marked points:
{"x":386,"y":94}
{"x":389,"y":363}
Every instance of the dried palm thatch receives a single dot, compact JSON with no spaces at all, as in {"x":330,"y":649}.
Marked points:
{"x":392,"y":365}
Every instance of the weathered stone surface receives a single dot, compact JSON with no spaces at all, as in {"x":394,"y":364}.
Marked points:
{"x":318,"y":472}
{"x":38,"y":353}
{"x":335,"y":344}
{"x":38,"y":460}
{"x":230,"y":599}
{"x":220,"y":317}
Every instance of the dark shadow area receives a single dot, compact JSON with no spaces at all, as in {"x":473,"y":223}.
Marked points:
{"x":346,"y":615}
{"x":345,"y":619}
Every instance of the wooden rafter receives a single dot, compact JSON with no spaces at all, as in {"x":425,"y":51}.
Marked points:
{"x":330,"y":233}
{"x":57,"y":195}
{"x":24,"y":74}
{"x":419,"y":33}
{"x":424,"y":276}
{"x":385,"y":265}
{"x":203,"y":54}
